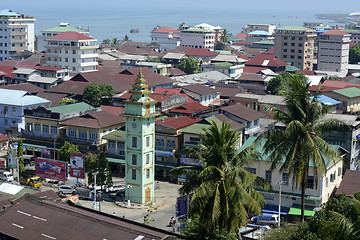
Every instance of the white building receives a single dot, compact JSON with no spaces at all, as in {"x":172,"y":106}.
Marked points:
{"x":333,"y":52}
{"x":63,"y":27}
{"x":197,"y":38}
{"x":16,"y":33}
{"x":73,"y":51}
{"x":166,"y":37}
{"x":12,"y":105}
{"x":262,"y":27}
{"x":203,"y":94}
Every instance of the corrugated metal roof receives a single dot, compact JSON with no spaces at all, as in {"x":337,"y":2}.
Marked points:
{"x":348,"y":92}
{"x":64,"y":29}
{"x":69,"y":108}
{"x":19,"y":98}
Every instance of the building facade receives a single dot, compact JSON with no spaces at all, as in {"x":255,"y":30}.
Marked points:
{"x":262,"y":27}
{"x":295,"y":45}
{"x":16,"y":33}
{"x":333,"y":52}
{"x":197,"y":38}
{"x":73,"y":51}
{"x":166,"y":37}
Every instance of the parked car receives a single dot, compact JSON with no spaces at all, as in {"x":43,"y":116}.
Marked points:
{"x":269,"y":219}
{"x":6,"y":176}
{"x":66,"y":189}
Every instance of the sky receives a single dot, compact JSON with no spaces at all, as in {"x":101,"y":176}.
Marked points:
{"x":315,"y":6}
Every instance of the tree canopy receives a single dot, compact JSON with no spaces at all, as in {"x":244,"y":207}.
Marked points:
{"x":98,"y":163}
{"x":189,"y":66}
{"x":281,"y":81}
{"x":20,"y":154}
{"x":66,"y":149}
{"x":354,"y":54}
{"x":226,"y":35}
{"x":98,"y":94}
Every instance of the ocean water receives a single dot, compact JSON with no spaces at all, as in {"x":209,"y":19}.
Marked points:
{"x":106,"y":22}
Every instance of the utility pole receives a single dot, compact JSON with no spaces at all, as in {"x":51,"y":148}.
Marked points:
{"x":280,"y":183}
{"x":95,"y":205}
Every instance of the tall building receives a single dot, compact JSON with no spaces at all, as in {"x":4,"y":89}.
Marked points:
{"x":295,"y":45}
{"x":333,"y":52}
{"x":73,"y":51}
{"x":16,"y":33}
{"x":63,"y":27}
{"x":259,"y":27}
{"x":166,"y":37}
{"x":140,"y":143}
{"x":197,"y":38}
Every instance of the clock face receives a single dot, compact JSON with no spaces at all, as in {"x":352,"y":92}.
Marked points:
{"x":134,"y":125}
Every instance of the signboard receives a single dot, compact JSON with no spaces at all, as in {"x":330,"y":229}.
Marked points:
{"x":77,"y":165}
{"x":2,"y":163}
{"x":12,"y":160}
{"x":190,"y":161}
{"x":74,"y":199}
{"x":46,"y":151}
{"x":48,"y":168}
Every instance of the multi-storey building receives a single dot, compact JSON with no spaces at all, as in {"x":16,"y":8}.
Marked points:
{"x":16,"y":33}
{"x":197,"y":38}
{"x":355,"y":35}
{"x":63,"y":27}
{"x":295,"y":45}
{"x":73,"y":51}
{"x":166,"y":37}
{"x":262,"y":27}
{"x":333,"y":52}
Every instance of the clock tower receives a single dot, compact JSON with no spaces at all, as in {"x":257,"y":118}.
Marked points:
{"x":140,"y":143}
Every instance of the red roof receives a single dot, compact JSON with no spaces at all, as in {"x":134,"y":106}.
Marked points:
{"x":165,"y":30}
{"x":265,"y":60}
{"x":71,"y":36}
{"x":189,"y":108}
{"x":8,"y":71}
{"x":335,"y":32}
{"x":270,"y":51}
{"x":3,"y":138}
{"x":172,"y":91}
{"x":48,"y":68}
{"x":203,"y":52}
{"x":241,"y":36}
{"x":306,"y":72}
{"x":178,"y":122}
{"x":241,"y":55}
{"x":329,"y":85}
{"x":114,"y":110}
{"x":254,"y":70}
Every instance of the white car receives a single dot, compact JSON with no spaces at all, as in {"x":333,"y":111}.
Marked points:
{"x":66,"y":189}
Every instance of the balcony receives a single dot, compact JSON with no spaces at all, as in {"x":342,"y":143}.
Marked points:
{"x":89,"y":47}
{"x":90,"y":142}
{"x":18,"y":34}
{"x":18,"y":26}
{"x":90,"y":55}
{"x":37,"y":136}
{"x":88,"y":64}
{"x":19,"y":41}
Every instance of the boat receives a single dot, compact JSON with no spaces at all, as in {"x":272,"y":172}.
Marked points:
{"x":134,"y":30}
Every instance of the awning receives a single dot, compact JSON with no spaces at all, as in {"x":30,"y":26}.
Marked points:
{"x":297,"y":211}
{"x":37,"y":146}
{"x":115,"y":160}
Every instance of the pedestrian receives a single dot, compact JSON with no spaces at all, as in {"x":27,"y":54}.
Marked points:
{"x":157,"y":185}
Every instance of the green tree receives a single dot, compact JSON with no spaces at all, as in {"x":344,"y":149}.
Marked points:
{"x":220,"y":46}
{"x":20,"y":154}
{"x":98,"y":94}
{"x":106,"y":42}
{"x":223,"y":189}
{"x":354,"y":54}
{"x":66,"y":149}
{"x":100,"y":165}
{"x":300,"y":142}
{"x":281,"y":81}
{"x":126,"y":39}
{"x":332,"y":78}
{"x":115,"y":42}
{"x":189,"y":66}
{"x":226,"y":35}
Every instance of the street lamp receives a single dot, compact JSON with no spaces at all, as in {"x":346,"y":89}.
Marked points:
{"x":280,"y":183}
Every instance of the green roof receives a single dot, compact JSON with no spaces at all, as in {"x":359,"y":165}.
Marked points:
{"x":64,"y":29}
{"x":295,"y":28}
{"x":196,"y":30}
{"x":350,"y":30}
{"x":115,"y":136}
{"x":115,"y":160}
{"x":289,"y":68}
{"x":265,"y":42}
{"x":196,"y":128}
{"x":355,"y":80}
{"x":297,"y":211}
{"x":265,"y":157}
{"x":69,"y":108}
{"x":349,"y":92}
{"x":261,"y":24}
{"x":223,"y":64}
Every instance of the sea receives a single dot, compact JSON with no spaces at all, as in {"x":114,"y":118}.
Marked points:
{"x":105,"y":22}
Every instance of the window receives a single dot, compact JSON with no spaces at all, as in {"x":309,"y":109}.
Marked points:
{"x":53,"y":131}
{"x":14,"y":111}
{"x":285,"y":50}
{"x":251,"y":170}
{"x":93,"y":135}
{"x":310,"y":182}
{"x":300,"y":44}
{"x":82,"y":134}
{"x":134,"y":159}
{"x":73,"y":60}
{"x":112,"y":144}
{"x":134,"y":142}
{"x":133,"y":175}
{"x":268,"y":176}
{"x":45,"y":130}
{"x":29,"y":127}
{"x":121,"y":148}
{"x":292,"y":38}
{"x":147,"y":141}
{"x":66,"y":60}
{"x":299,"y":51}
{"x":292,"y":50}
{"x":339,"y":171}
{"x":74,"y":51}
{"x":293,"y":44}
{"x":159,"y":144}
{"x":170,"y":145}
{"x":72,"y":132}
{"x":285,"y":179}
{"x":284,"y":56}
{"x":148,"y":173}
{"x":147,"y":158}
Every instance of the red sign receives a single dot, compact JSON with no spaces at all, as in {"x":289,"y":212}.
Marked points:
{"x":46,"y":151}
{"x":48,"y":168}
{"x":77,"y":165}
{"x":2,"y":163}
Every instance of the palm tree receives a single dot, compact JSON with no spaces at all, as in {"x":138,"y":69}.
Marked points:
{"x":106,"y":42}
{"x":300,"y":142}
{"x":126,"y":39}
{"x":115,"y":42}
{"x":223,"y":189}
{"x":225,"y":37}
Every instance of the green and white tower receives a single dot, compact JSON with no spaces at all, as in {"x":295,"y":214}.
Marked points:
{"x":140,"y":143}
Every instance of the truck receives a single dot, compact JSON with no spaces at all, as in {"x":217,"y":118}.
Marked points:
{"x":34,"y":182}
{"x":6,"y":176}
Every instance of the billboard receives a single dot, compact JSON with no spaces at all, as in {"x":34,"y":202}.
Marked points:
{"x":77,"y":165}
{"x":48,"y":168}
{"x":12,"y":162}
{"x":2,"y":163}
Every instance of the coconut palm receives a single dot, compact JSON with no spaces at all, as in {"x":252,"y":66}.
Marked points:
{"x":300,"y":142}
{"x":106,"y":42}
{"x":126,"y":39}
{"x":115,"y":42}
{"x":223,"y":189}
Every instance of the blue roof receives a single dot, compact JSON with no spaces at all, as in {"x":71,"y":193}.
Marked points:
{"x":19,"y":98}
{"x":260,"y":32}
{"x":8,"y":13}
{"x":321,"y":31}
{"x":326,"y":100}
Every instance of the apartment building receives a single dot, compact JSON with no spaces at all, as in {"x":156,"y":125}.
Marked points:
{"x":63,"y":27}
{"x":197,"y":38}
{"x":295,"y":45}
{"x":355,"y":35}
{"x":166,"y":37}
{"x":16,"y":33}
{"x":259,"y":26}
{"x":333,"y":52}
{"x":73,"y":51}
